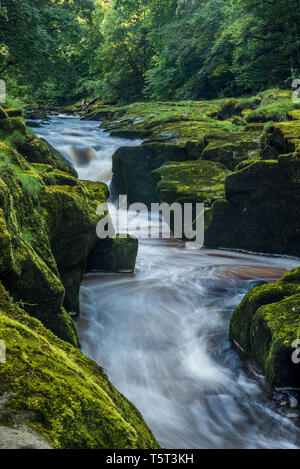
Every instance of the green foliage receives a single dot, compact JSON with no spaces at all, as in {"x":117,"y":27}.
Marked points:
{"x":124,"y":50}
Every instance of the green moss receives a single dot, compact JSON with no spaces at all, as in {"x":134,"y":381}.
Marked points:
{"x":273,"y":330}
{"x":14,"y":112}
{"x":196,"y":181}
{"x":265,"y":325}
{"x":28,"y":236}
{"x":113,"y":255}
{"x":294,"y":115}
{"x":66,"y":396}
{"x":293,"y":276}
{"x":283,"y":138}
{"x":276,"y":112}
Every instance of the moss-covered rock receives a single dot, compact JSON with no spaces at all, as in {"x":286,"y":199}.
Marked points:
{"x":235,"y":107}
{"x":282,"y":138}
{"x":113,"y":255}
{"x":294,"y":115}
{"x":132,"y":168}
{"x":191,"y":181}
{"x":261,"y":209}
{"x":227,"y":109}
{"x":231,"y":149}
{"x":13,"y":112}
{"x":49,"y":389}
{"x":276,"y":112}
{"x":48,"y":228}
{"x":266,"y":324}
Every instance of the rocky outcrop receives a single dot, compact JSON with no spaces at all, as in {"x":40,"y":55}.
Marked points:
{"x":266,"y":324}
{"x":132,"y":168}
{"x":190,"y":181}
{"x":51,"y":395}
{"x":48,"y":227}
{"x":230,"y":150}
{"x":113,"y":255}
{"x":261,"y":210}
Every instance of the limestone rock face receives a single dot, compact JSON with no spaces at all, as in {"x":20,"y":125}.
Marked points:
{"x":132,"y":169}
{"x":113,"y":255}
{"x":51,"y":395}
{"x":266,"y":324}
{"x":261,"y":210}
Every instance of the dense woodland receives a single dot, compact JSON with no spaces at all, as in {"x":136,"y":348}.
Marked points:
{"x":127,"y":50}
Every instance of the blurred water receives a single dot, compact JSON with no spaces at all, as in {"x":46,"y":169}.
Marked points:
{"x":162,"y":333}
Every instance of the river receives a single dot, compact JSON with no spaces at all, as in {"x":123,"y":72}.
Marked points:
{"x":161,"y":333}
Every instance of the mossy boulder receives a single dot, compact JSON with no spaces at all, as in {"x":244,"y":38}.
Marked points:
{"x":227,"y":109}
{"x":51,"y":395}
{"x":235,"y":107}
{"x":282,"y":138}
{"x":266,"y":324}
{"x":132,"y":168}
{"x":116,"y":254}
{"x":294,"y":115}
{"x":261,"y":210}
{"x":191,"y":181}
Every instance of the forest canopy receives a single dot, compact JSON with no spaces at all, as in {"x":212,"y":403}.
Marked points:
{"x":129,"y":50}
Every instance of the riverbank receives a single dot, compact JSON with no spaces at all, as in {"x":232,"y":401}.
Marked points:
{"x":162,"y":332}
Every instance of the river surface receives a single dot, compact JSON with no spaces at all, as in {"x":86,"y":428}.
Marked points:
{"x":161,"y":333}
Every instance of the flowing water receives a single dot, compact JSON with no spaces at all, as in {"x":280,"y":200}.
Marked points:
{"x":161,"y":333}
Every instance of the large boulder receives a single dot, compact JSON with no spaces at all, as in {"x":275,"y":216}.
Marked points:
{"x":266,"y":324}
{"x":190,"y":181}
{"x":231,"y":149}
{"x":116,"y":254}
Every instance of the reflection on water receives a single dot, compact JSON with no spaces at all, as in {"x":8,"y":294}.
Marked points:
{"x":162,"y":333}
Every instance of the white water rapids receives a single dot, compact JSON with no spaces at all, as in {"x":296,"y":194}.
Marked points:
{"x":161,"y":333}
